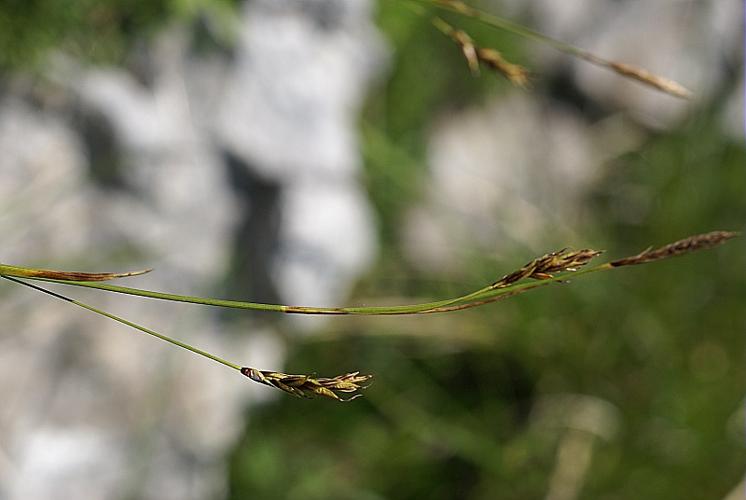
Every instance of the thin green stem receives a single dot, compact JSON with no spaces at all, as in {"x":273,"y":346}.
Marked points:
{"x":425,"y":307}
{"x":503,"y":293}
{"x":256,"y":306}
{"x":476,"y":298}
{"x":511,"y":27}
{"x":626,"y":70}
{"x":129,"y":323}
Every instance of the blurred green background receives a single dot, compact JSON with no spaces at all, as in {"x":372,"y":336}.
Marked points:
{"x":637,"y":375}
{"x":641,"y":369}
{"x":627,"y":384}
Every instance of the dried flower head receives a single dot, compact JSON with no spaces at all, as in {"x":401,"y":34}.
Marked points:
{"x":467,"y":48}
{"x":305,"y":386}
{"x":641,"y":75}
{"x":518,"y":75}
{"x":687,"y":245}
{"x":644,"y":76}
{"x":492,"y":58}
{"x":543,"y":267}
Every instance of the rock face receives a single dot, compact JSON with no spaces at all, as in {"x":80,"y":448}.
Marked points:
{"x":298,"y":80}
{"x":251,"y":160}
{"x":696,"y":44}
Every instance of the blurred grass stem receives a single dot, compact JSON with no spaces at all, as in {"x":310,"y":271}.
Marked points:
{"x":641,"y":75}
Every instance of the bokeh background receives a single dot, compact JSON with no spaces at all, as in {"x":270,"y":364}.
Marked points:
{"x":329,"y":152}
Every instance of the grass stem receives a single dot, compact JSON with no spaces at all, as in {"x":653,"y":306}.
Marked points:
{"x":123,"y":321}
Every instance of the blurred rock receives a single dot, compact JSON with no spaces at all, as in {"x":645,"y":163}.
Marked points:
{"x":667,"y":39}
{"x":137,"y":170}
{"x":74,"y":462}
{"x":694,"y":43}
{"x":513,"y":171}
{"x":734,"y":113}
{"x":516,"y":170}
{"x":42,"y":160}
{"x":300,"y":74}
{"x":288,"y":115}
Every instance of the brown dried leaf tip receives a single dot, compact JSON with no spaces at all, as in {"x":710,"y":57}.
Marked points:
{"x":543,"y":267}
{"x":681,"y":247}
{"x":305,"y":386}
{"x":28,"y":272}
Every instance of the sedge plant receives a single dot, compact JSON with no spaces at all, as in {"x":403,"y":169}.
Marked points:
{"x":518,"y":75}
{"x":554,"y":267}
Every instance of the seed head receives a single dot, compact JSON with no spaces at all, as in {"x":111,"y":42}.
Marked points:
{"x":518,"y":75}
{"x":644,"y":76}
{"x":474,"y":54}
{"x":681,"y":247}
{"x":306,"y":386}
{"x":543,"y":267}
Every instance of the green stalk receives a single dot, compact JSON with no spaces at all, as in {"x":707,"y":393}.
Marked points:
{"x":476,"y":298}
{"x":511,"y":27}
{"x":129,"y":323}
{"x":483,"y":293}
{"x":493,"y":295}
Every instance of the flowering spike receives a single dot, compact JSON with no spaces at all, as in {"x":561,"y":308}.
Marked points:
{"x":306,"y":386}
{"x":687,"y":245}
{"x":543,"y":267}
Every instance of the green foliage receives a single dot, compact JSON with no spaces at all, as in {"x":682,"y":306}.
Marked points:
{"x":89,"y":29}
{"x":453,"y":410}
{"x":428,"y":78}
{"x":452,"y":415}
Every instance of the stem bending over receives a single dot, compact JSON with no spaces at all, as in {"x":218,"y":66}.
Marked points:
{"x":543,"y":269}
{"x":304,"y":386}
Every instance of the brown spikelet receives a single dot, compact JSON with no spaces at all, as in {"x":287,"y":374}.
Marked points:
{"x":681,"y":247}
{"x":458,"y":6}
{"x":518,"y":75}
{"x":644,"y":76}
{"x":468,"y":49}
{"x":544,"y":266}
{"x":626,"y":70}
{"x":305,"y":386}
{"x":492,"y":58}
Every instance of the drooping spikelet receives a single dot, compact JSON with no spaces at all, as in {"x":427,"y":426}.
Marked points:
{"x":474,"y":55}
{"x":517,"y":74}
{"x":306,"y":386}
